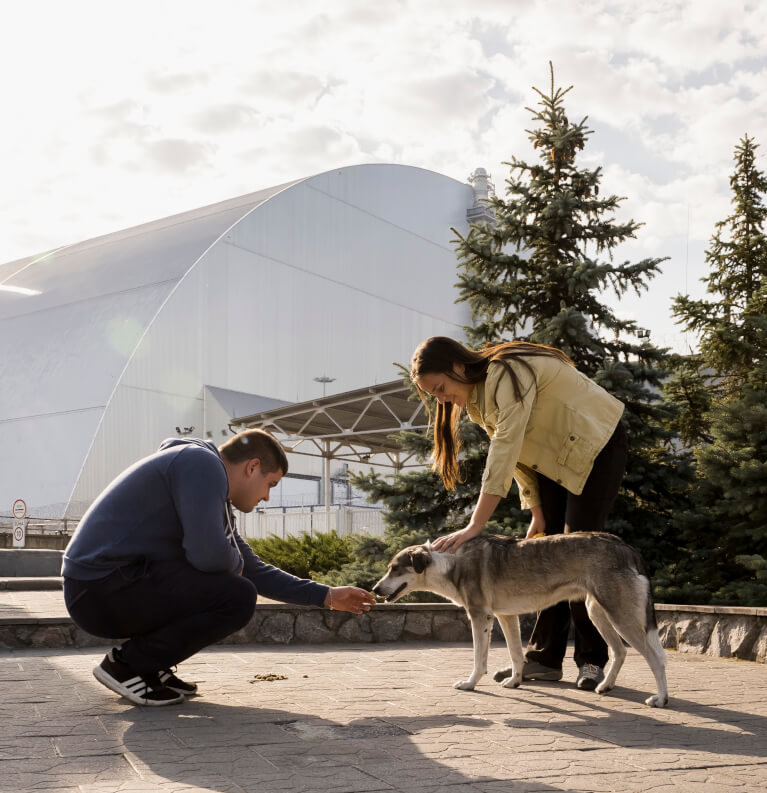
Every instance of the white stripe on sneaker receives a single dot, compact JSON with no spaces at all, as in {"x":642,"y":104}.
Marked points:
{"x":137,"y":689}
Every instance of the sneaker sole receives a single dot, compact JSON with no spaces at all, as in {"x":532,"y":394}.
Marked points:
{"x":115,"y":685}
{"x":181,"y":691}
{"x":548,"y":677}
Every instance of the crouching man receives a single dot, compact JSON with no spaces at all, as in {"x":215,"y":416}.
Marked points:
{"x":157,"y":560}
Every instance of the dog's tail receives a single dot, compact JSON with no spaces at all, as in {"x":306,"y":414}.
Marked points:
{"x":650,"y":623}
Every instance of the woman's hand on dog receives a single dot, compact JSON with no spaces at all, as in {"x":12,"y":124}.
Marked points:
{"x":485,"y":507}
{"x":452,"y":542}
{"x":349,"y":598}
{"x":537,"y":524}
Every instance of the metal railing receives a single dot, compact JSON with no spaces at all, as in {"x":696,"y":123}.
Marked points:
{"x":295,"y":521}
{"x":41,"y":525}
{"x":259,"y":524}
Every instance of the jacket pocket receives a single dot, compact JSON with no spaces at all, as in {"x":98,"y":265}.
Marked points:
{"x":575,"y":452}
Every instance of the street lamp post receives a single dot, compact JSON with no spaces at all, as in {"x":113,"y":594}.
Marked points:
{"x":324,"y":379}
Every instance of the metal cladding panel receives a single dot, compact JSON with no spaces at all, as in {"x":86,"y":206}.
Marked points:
{"x":393,"y":243}
{"x":70,"y":357}
{"x":422,"y":202}
{"x":313,"y":326}
{"x":41,"y":458}
{"x":168,"y":357}
{"x":135,"y":424}
{"x":146,"y":255}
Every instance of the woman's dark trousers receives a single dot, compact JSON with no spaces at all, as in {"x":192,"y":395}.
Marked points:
{"x":564,"y":512}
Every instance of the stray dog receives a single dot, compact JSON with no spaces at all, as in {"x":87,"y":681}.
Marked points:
{"x":502,"y":577}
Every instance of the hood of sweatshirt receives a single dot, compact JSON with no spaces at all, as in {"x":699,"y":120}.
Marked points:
{"x":170,"y":443}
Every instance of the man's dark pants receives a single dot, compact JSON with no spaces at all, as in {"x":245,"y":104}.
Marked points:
{"x":167,"y":610}
{"x":564,"y":512}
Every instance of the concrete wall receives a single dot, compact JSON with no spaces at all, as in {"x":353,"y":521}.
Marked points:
{"x":29,"y":563}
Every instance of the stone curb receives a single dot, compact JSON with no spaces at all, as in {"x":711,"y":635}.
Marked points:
{"x":717,"y":631}
{"x":35,"y":584}
{"x":275,"y":623}
{"x":745,"y":611}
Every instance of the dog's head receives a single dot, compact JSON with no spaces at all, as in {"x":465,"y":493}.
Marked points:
{"x":405,"y":573}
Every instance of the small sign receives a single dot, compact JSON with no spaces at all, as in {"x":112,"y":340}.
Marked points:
{"x":19,"y":533}
{"x":19,"y":509}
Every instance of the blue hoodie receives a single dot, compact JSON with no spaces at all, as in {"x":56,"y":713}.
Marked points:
{"x":174,"y":505}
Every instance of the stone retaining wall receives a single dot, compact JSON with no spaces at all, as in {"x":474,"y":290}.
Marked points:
{"x":442,"y":622}
{"x":719,"y":631}
{"x":715,"y":631}
{"x":276,"y":623}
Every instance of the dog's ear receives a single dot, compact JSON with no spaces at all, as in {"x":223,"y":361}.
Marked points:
{"x":420,"y":559}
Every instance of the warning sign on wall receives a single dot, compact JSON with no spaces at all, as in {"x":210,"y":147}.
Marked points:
{"x":19,"y":533}
{"x":19,"y":509}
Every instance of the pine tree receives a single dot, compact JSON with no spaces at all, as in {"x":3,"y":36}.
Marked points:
{"x":729,"y":521}
{"x":540,"y":272}
{"x":688,"y":390}
{"x":537,"y":273}
{"x":730,"y":327}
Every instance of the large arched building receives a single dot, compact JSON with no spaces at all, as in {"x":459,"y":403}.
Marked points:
{"x":111,"y":345}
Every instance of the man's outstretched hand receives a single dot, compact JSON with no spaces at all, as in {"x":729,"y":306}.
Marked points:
{"x":349,"y":598}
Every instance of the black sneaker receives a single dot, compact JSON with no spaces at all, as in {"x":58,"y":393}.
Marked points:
{"x":139,"y":689}
{"x":532,"y":670}
{"x":589,"y":677}
{"x":169,"y":680}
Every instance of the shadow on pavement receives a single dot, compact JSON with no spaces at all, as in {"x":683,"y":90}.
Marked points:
{"x":648,"y":730}
{"x":223,"y":747}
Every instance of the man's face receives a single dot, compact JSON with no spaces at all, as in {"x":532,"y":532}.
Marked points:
{"x":254,"y":486}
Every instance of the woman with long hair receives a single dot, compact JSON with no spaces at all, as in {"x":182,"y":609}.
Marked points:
{"x":554,"y":431}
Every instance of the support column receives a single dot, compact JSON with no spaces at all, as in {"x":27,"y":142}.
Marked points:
{"x":328,"y":485}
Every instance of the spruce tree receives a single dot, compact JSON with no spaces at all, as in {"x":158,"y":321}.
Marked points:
{"x":728,"y":525}
{"x":540,"y":273}
{"x":537,"y":273}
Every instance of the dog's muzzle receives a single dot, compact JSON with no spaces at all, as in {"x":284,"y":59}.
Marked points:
{"x":388,"y":598}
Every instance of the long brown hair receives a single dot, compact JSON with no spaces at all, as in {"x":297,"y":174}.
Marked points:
{"x":437,"y":356}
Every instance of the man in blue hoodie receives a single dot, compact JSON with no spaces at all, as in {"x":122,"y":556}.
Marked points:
{"x":157,"y":559}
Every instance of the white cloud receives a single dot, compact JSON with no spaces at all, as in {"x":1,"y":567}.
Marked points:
{"x":115,"y":118}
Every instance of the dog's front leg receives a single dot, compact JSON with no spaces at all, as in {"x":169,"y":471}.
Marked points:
{"x":511,"y":678}
{"x":481,"y":629}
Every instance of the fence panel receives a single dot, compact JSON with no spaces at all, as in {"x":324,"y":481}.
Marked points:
{"x":295,"y":521}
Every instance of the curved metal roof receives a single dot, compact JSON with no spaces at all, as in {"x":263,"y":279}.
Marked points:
{"x":352,"y":426}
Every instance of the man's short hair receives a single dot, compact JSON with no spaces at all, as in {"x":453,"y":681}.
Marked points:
{"x":255,"y":444}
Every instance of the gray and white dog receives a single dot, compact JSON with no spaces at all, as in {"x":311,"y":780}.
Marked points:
{"x":498,"y":576}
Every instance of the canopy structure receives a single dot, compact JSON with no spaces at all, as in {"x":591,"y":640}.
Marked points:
{"x":356,"y":426}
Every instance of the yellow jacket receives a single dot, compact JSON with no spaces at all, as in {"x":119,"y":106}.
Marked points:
{"x":563,"y":422}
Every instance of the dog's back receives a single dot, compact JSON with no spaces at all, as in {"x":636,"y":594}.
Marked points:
{"x":491,"y":568}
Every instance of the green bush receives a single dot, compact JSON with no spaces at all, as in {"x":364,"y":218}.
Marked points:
{"x":307,"y":556}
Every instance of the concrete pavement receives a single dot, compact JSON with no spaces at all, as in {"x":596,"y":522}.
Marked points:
{"x":379,"y":718}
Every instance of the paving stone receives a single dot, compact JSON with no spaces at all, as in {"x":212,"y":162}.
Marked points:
{"x":368,"y":717}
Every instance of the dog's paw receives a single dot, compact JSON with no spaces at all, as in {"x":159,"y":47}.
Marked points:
{"x":502,"y":674}
{"x":512,"y":682}
{"x":656,"y":701}
{"x":602,"y":688}
{"x":464,"y":685}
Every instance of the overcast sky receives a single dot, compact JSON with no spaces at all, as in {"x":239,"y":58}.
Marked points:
{"x":121,"y":113}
